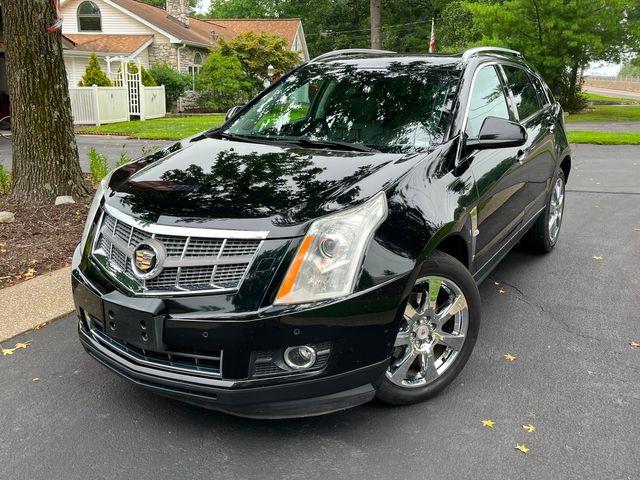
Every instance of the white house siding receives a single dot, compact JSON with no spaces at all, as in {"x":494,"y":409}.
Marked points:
{"x":114,"y":21}
{"x":76,"y":65}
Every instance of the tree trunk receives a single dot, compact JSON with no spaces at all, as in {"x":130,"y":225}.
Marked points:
{"x":573,"y":85}
{"x":45,"y":153}
{"x":376,"y":24}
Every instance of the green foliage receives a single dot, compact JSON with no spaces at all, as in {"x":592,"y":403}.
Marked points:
{"x":607,"y":113}
{"x":168,"y":128}
{"x":5,"y":181}
{"x":98,"y":166}
{"x":334,"y":24}
{"x":175,"y":83}
{"x":124,"y":159}
{"x":257,"y":52}
{"x":631,"y":69}
{"x":604,"y":138}
{"x":222,"y":82}
{"x":93,"y":74}
{"x":147,"y":79}
{"x":558,"y":37}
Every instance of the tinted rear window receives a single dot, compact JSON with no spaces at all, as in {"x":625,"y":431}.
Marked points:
{"x":524,"y":94}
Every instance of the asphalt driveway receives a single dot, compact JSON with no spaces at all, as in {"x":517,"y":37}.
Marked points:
{"x":568,"y":318}
{"x":110,"y":146}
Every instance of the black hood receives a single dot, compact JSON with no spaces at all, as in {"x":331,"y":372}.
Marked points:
{"x":209,"y":183}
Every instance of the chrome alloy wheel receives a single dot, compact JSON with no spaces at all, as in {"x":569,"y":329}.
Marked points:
{"x":556,"y":207}
{"x":432,"y":333}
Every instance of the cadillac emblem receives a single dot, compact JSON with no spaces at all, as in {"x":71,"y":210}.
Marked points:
{"x":147,"y":259}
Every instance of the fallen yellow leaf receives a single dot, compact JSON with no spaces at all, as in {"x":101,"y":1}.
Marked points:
{"x":41,"y":325}
{"x":497,"y":283}
{"x":634,"y":344}
{"x":35,"y":379}
{"x":30,"y":273}
{"x":488,"y":423}
{"x":22,"y":346}
{"x":18,"y":346}
{"x":529,"y":427}
{"x":522,"y":448}
{"x":589,"y":372}
{"x":510,"y":357}
{"x":501,"y":291}
{"x":597,"y":257}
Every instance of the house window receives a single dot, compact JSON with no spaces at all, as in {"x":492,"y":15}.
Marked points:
{"x":89,"y":18}
{"x":195,"y":68}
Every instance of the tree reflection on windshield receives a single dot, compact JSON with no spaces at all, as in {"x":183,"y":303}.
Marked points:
{"x":396,"y":109}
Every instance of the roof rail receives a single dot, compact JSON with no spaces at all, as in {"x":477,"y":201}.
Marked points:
{"x":348,"y":51}
{"x":478,"y":50}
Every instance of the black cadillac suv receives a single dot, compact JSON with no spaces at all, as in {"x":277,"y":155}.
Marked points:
{"x":324,"y":246}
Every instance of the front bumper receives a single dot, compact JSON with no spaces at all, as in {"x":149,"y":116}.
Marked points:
{"x":360,"y":329}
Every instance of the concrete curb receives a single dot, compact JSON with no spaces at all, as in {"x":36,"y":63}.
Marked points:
{"x":31,"y":303}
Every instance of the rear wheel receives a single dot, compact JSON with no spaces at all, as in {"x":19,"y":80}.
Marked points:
{"x":437,"y":333}
{"x":543,"y":235}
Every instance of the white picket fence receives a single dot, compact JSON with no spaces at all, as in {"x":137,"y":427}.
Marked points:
{"x":100,"y":105}
{"x":154,"y":104}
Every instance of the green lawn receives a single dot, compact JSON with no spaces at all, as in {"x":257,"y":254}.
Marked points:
{"x":604,"y":138}
{"x":168,"y":128}
{"x":607,"y":113}
{"x":595,"y":97}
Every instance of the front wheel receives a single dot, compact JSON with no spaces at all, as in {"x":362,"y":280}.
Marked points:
{"x":437,"y":333}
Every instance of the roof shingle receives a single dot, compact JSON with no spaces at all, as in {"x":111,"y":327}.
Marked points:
{"x":101,"y":43}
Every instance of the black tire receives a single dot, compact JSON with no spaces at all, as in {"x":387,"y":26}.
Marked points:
{"x":538,"y":238}
{"x":441,"y":265}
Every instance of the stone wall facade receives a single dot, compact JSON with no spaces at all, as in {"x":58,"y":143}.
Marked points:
{"x":163,"y":53}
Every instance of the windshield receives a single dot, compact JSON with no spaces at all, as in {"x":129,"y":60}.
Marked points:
{"x":396,"y":109}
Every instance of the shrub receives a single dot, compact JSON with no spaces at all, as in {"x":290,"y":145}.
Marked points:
{"x":175,"y":83}
{"x":257,"y":51}
{"x":93,"y":74}
{"x":98,"y":166}
{"x":5,"y":181}
{"x":123,"y":159}
{"x":222,"y":82}
{"x":147,"y":79}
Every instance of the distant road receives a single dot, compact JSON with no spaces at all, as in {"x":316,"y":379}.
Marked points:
{"x":611,"y":93}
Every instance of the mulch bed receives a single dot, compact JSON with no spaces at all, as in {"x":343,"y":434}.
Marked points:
{"x":42,"y":238}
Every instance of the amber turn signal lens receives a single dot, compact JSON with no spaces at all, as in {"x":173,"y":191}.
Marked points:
{"x":294,"y":269}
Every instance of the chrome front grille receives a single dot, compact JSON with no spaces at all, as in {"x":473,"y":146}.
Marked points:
{"x":197,"y":260}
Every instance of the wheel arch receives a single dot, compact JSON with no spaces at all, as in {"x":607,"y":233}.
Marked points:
{"x":456,"y":246}
{"x":565,"y":166}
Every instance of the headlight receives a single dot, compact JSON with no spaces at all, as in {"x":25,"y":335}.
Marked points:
{"x":329,"y":259}
{"x":93,"y":210}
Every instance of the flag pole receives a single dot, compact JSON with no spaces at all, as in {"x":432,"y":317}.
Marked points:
{"x":432,"y":40}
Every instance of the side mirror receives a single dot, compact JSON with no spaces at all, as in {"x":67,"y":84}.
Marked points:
{"x":498,"y":133}
{"x":232,"y":112}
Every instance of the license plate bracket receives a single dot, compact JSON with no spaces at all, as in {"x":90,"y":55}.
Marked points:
{"x":135,"y":321}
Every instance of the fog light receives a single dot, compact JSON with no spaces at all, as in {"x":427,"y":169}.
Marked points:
{"x":300,"y":357}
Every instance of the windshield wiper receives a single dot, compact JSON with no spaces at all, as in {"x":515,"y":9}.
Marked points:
{"x":312,"y":142}
{"x":234,"y":137}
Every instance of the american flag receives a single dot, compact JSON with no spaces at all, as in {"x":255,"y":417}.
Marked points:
{"x":58,"y":18}
{"x":432,"y":41}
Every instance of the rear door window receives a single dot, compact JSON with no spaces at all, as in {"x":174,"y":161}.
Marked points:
{"x":526,"y":99}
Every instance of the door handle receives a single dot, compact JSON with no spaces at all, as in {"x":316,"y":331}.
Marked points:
{"x":520,"y":156}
